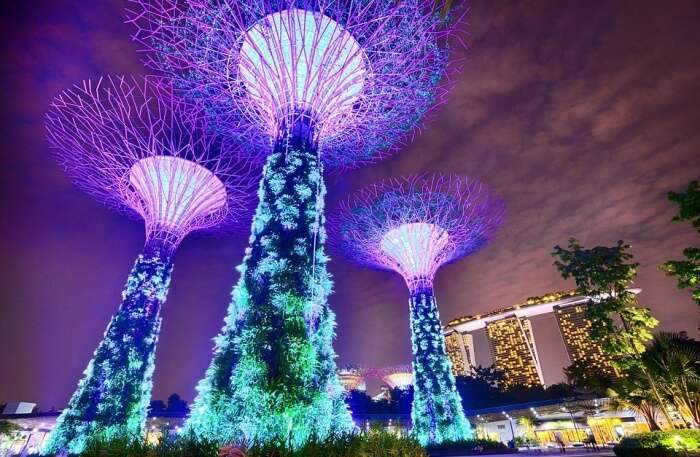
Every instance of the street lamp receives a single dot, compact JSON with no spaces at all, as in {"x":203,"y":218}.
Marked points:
{"x":510,"y":422}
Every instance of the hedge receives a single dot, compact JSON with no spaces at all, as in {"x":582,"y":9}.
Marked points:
{"x":677,"y":443}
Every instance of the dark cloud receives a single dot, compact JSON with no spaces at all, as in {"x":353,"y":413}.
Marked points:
{"x":581,"y":115}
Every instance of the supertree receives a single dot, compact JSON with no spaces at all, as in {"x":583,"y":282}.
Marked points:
{"x":306,"y":84}
{"x":398,"y":376}
{"x":131,"y":144}
{"x":413,"y":226}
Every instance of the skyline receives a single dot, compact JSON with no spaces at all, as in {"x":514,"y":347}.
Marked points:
{"x":584,"y":147}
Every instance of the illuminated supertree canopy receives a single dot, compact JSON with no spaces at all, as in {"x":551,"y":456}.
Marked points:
{"x":361,"y":74}
{"x":413,"y":226}
{"x":131,"y":144}
{"x":396,"y":377}
{"x":304,"y":84}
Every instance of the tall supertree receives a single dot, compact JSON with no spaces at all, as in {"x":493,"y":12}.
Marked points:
{"x":413,"y":226}
{"x":131,"y":144}
{"x":306,"y":84}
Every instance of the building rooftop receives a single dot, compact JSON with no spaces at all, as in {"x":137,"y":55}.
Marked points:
{"x":533,"y":306}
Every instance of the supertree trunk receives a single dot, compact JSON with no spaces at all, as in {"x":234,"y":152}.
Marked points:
{"x":113,"y":396}
{"x":273,"y":373}
{"x":437,"y":413}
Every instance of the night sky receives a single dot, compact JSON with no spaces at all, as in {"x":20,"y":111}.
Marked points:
{"x":581,"y":115}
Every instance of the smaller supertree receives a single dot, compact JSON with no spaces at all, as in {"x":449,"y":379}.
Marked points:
{"x":413,"y":226}
{"x":134,"y":146}
{"x":397,"y":377}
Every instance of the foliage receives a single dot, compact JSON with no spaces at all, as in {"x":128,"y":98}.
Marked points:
{"x":589,"y":378}
{"x":135,"y":446}
{"x":476,"y":445}
{"x":674,"y":361}
{"x":689,"y":204}
{"x":659,"y":444}
{"x":175,"y":404}
{"x":482,"y":391}
{"x":490,"y":375}
{"x":687,"y":272}
{"x":605,"y":274}
{"x":634,"y":392}
{"x":373,"y":444}
{"x":8,"y":428}
{"x":273,"y":373}
{"x":437,"y":414}
{"x":113,"y":396}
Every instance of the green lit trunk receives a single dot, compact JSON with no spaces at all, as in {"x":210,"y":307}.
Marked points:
{"x":113,"y":396}
{"x":273,"y":374}
{"x":437,"y":412}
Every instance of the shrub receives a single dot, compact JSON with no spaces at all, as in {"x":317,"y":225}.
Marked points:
{"x":373,"y":444}
{"x":675,"y":443}
{"x":129,"y":447}
{"x":469,"y":447}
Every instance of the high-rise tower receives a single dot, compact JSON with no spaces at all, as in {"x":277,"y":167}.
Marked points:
{"x":460,"y":350}
{"x":575,"y":328}
{"x":514,"y":352}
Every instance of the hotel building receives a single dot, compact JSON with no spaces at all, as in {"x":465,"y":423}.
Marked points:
{"x":575,"y":328}
{"x":512,"y":340}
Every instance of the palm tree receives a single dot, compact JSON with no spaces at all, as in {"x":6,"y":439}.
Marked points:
{"x":674,"y":360}
{"x":633,"y":393}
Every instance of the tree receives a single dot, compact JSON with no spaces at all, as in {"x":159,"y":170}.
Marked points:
{"x":687,"y":272}
{"x":634,"y":393}
{"x":674,"y":360}
{"x":157,"y":406}
{"x":489,"y":375}
{"x":273,"y":374}
{"x":605,"y":274}
{"x":8,"y":428}
{"x":177,"y":404}
{"x":588,"y":378}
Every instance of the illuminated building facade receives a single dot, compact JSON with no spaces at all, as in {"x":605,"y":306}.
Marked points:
{"x":512,"y":341}
{"x":514,"y":352}
{"x":460,"y":350}
{"x":575,"y":328}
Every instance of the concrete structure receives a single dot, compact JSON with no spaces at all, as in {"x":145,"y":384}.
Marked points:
{"x":512,"y":341}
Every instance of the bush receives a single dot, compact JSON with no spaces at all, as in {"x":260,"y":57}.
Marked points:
{"x":675,"y":443}
{"x":373,"y":444}
{"x":127,"y":447}
{"x":469,"y":447}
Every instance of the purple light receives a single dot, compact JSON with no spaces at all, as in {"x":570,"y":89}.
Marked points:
{"x":174,"y":193}
{"x":414,"y":249}
{"x":364,"y":73}
{"x":130,"y":143}
{"x":300,"y":61}
{"x":415,"y":225}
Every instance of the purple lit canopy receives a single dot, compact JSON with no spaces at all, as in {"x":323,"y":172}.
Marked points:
{"x":134,"y":146}
{"x":362,"y":73}
{"x":416,"y":224}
